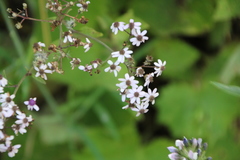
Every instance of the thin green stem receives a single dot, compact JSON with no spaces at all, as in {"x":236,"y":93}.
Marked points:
{"x":21,"y":81}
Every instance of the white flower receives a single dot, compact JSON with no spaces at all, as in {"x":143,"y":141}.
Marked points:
{"x":19,"y":128}
{"x":6,"y":112}
{"x":52,"y":67}
{"x":1,"y":90}
{"x":41,"y":44}
{"x":1,"y":136}
{"x":75,"y":62}
{"x":1,"y":123}
{"x":133,"y":25}
{"x":159,"y":67}
{"x":8,"y":140}
{"x":139,"y":37}
{"x":135,"y":94}
{"x":129,"y":106}
{"x":31,"y":104}
{"x":127,"y":82}
{"x":83,"y":6}
{"x":12,"y":150}
{"x":122,"y":54}
{"x":124,"y":93}
{"x":141,"y":108}
{"x":3,"y":148}
{"x":113,"y":67}
{"x":87,"y":68}
{"x":7,"y":100}
{"x":3,"y":81}
{"x":67,"y":37}
{"x":148,"y":79}
{"x":140,"y":72}
{"x":151,"y":95}
{"x":41,"y":71}
{"x":88,"y":45}
{"x":23,"y":119}
{"x":117,"y":26}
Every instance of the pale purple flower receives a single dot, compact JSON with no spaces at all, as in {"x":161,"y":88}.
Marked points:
{"x":122,"y":54}
{"x":139,"y":37}
{"x":31,"y":104}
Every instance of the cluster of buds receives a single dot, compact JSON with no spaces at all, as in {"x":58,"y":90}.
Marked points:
{"x":10,"y":110}
{"x":189,"y":149}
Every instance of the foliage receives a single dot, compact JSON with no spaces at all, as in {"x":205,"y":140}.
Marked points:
{"x":81,"y":115}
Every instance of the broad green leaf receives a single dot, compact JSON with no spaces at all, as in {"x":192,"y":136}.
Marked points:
{"x":191,"y":111}
{"x":232,"y":66}
{"x":226,"y":9}
{"x":169,"y":17}
{"x":179,"y":56}
{"x":234,"y":90}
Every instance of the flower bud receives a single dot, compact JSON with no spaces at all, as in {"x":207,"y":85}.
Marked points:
{"x":14,"y":15}
{"x":9,"y":10}
{"x":18,"y":25}
{"x":24,"y":6}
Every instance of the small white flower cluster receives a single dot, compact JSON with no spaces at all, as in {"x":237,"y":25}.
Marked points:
{"x":138,"y":100}
{"x":135,"y":31}
{"x":9,"y":109}
{"x":191,"y":149}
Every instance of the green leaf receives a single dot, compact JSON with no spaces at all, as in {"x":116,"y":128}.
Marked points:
{"x":106,"y":119}
{"x":179,"y":56}
{"x":52,"y":130}
{"x":90,"y":31}
{"x":232,"y":66}
{"x":169,"y":17}
{"x":39,"y":79}
{"x":226,"y":9}
{"x":234,"y":90}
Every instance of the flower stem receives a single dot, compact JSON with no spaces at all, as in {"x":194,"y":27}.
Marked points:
{"x":21,"y":81}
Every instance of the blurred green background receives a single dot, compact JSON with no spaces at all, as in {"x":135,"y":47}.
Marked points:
{"x":81,"y":115}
